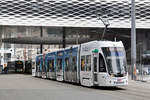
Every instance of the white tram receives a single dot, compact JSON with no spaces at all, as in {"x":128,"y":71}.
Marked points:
{"x":96,"y":63}
{"x":103,"y":63}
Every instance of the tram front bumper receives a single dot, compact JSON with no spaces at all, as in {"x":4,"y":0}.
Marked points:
{"x":107,"y":80}
{"x":118,"y":81}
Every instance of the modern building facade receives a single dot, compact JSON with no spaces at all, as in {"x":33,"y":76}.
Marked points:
{"x":80,"y":18}
{"x":73,"y":13}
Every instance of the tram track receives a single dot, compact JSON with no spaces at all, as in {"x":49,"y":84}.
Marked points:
{"x":135,"y":93}
{"x":137,"y":90}
{"x":126,"y":91}
{"x":126,"y":94}
{"x":130,"y":92}
{"x":122,"y":92}
{"x":119,"y":92}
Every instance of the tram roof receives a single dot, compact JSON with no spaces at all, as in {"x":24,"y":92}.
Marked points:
{"x":104,"y":43}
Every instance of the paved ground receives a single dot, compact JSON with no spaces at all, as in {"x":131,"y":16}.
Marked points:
{"x":26,"y":87}
{"x":144,"y":77}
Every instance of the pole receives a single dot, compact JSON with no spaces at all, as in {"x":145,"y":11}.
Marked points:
{"x":41,"y":35}
{"x":105,"y":30}
{"x":133,"y":40}
{"x":77,"y":38}
{"x":64,"y":37}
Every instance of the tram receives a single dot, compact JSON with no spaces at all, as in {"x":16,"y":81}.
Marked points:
{"x":95,"y":63}
{"x":28,"y":66}
{"x":19,"y":66}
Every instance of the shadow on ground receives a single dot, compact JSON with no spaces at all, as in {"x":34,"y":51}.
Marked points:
{"x":114,"y":88}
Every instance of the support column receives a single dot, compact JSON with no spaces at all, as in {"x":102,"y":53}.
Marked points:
{"x":0,"y":36}
{"x":133,"y":41}
{"x":77,"y":38}
{"x":64,"y":36}
{"x":41,"y":35}
{"x":0,"y":43}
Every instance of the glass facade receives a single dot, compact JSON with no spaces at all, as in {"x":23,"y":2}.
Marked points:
{"x":75,"y":34}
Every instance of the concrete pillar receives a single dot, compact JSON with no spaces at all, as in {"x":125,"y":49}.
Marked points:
{"x":64,"y":37}
{"x":144,"y":43}
{"x":147,"y":41}
{"x":41,"y":35}
{"x":0,"y":36}
{"x":133,"y":40}
{"x":1,"y":54}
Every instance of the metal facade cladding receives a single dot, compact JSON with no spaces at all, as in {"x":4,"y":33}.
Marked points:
{"x":73,"y":13}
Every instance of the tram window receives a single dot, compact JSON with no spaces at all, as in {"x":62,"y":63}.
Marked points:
{"x":66,"y":64}
{"x":59,"y":64}
{"x":51,"y":65}
{"x":82,"y":63}
{"x":48,"y":66}
{"x":88,"y":63}
{"x":95,"y":64}
{"x":74,"y":63}
{"x":102,"y":67}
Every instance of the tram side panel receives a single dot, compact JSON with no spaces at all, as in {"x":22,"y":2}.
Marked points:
{"x":86,"y":64}
{"x":67,"y":65}
{"x":50,"y":63}
{"x":103,"y":63}
{"x":71,"y":70}
{"x":46,"y":65}
{"x":74,"y":60}
{"x":44,"y":68}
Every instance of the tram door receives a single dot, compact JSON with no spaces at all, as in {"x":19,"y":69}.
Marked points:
{"x":95,"y":68}
{"x":74,"y":69}
{"x":59,"y":68}
{"x":71,"y":65}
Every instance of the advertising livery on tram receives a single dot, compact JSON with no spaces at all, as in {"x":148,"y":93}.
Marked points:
{"x":95,"y":63}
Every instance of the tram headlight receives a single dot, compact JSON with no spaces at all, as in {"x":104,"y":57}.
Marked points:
{"x":112,"y":75}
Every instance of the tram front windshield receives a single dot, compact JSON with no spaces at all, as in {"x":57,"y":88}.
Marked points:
{"x":116,"y":60}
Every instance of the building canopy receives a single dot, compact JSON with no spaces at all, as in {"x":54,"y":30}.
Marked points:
{"x":73,"y":13}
